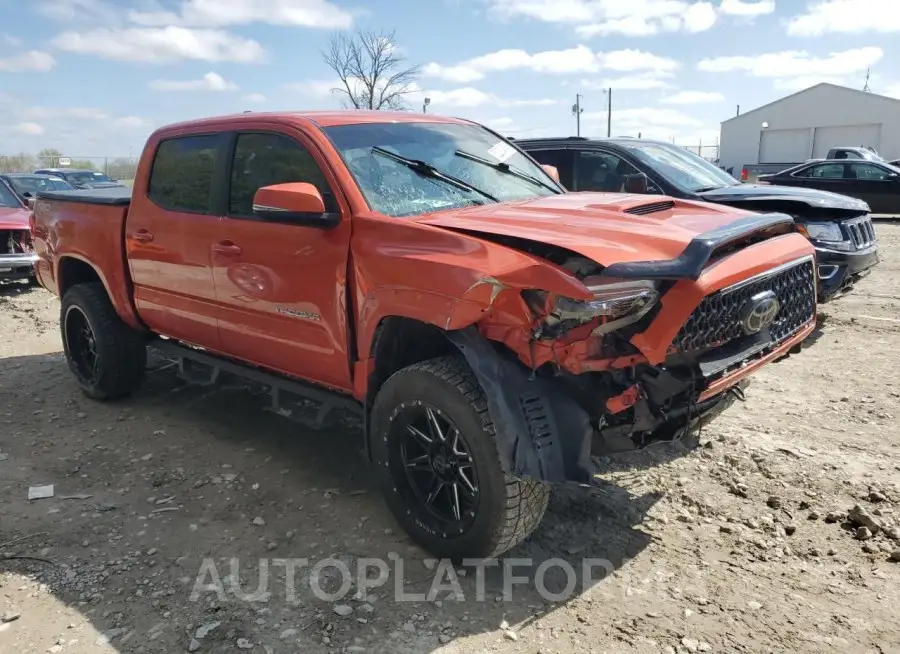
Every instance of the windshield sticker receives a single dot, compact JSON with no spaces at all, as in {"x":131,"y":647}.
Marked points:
{"x":502,"y":151}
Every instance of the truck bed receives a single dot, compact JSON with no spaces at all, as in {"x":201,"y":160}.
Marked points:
{"x":117,"y":196}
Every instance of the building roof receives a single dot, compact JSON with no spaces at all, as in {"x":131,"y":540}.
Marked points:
{"x":862,"y":93}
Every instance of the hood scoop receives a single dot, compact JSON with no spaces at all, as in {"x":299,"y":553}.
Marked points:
{"x":652,"y":207}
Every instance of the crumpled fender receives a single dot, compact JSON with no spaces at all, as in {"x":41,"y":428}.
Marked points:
{"x":440,"y":277}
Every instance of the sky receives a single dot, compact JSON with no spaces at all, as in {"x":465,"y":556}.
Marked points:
{"x":93,"y":78}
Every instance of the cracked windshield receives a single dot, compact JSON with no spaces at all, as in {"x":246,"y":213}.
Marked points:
{"x":416,"y":168}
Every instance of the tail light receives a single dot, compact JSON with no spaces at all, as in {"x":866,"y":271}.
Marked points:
{"x":744,"y":174}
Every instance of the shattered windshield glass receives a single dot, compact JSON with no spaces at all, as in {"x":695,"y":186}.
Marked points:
{"x":415,"y":181}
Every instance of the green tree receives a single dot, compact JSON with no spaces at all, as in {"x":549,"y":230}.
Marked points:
{"x":49,"y":157}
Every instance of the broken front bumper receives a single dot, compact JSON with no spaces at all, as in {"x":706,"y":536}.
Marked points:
{"x":684,"y":366}
{"x":17,"y":266}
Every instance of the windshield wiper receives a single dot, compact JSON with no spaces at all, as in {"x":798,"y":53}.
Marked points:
{"x":427,"y":170}
{"x":506,"y":169}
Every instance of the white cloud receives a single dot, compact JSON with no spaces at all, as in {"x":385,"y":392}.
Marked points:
{"x":10,"y":40}
{"x":256,"y":98}
{"x":464,"y":97}
{"x":796,"y":63}
{"x":33,"y":60}
{"x":649,"y":122}
{"x":471,"y":97}
{"x":693,"y":97}
{"x":628,"y":17}
{"x":209,"y":82}
{"x":131,"y":122}
{"x":579,"y":59}
{"x":29,"y":129}
{"x":58,"y":113}
{"x":161,"y":45}
{"x":639,"y":82}
{"x":805,"y":81}
{"x":749,"y":8}
{"x":215,"y":13}
{"x":846,"y":17}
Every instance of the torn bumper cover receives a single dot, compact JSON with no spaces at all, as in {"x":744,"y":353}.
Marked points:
{"x":543,"y":431}
{"x":689,"y":362}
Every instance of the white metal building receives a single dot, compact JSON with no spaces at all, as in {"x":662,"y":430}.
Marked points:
{"x":806,"y":124}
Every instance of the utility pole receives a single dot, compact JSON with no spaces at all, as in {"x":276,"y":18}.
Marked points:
{"x":425,"y":103}
{"x":577,"y":110}
{"x":608,"y":112}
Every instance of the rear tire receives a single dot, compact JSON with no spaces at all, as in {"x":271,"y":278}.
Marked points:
{"x":107,"y":357}
{"x":500,"y":513}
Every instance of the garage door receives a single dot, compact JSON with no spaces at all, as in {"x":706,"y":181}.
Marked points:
{"x":846,"y":136}
{"x":784,"y":145}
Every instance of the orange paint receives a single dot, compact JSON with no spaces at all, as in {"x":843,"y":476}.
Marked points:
{"x":302,"y":300}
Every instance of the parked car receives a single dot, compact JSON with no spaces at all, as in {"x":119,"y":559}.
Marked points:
{"x":839,"y":227}
{"x":492,"y":329}
{"x":26,"y":185}
{"x":751,"y":172}
{"x":80,"y":178}
{"x":17,"y":258}
{"x":876,"y":183}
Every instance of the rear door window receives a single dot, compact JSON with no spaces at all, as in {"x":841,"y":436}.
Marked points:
{"x":183,"y":170}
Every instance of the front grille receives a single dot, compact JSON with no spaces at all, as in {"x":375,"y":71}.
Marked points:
{"x":652,"y":207}
{"x":718,"y":318}
{"x":862,"y":232}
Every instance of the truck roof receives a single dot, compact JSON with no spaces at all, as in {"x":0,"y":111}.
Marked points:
{"x":325,"y":118}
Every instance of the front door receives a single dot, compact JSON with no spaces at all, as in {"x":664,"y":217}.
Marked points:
{"x":875,"y":184}
{"x":167,"y":235}
{"x":281,"y":287}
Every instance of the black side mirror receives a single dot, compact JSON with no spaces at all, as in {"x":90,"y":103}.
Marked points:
{"x":636,"y":183}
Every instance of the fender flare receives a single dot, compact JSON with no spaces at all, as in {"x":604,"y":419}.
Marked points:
{"x":541,"y":431}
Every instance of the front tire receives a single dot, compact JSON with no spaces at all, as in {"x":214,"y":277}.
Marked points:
{"x":434,"y":449}
{"x":107,"y":357}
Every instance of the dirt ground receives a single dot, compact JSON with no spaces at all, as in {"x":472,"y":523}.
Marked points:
{"x":743,"y":545}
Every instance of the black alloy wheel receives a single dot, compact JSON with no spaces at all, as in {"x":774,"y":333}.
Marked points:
{"x":433,"y":468}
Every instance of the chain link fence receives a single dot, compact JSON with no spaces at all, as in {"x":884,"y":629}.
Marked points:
{"x":120,"y":168}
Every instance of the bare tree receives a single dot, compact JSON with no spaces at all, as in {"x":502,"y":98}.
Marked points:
{"x":373,"y":73}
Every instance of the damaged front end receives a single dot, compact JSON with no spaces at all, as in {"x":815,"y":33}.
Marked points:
{"x":645,"y":361}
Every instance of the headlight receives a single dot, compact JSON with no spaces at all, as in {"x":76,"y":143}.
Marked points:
{"x":616,"y":305}
{"x":823,"y":231}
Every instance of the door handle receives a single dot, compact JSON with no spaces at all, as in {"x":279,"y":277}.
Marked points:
{"x":143,"y":236}
{"x":227,"y":247}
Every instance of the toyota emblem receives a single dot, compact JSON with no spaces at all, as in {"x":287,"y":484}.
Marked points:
{"x":759,"y":312}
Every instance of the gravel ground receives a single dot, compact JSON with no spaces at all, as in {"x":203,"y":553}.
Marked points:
{"x":777,"y":534}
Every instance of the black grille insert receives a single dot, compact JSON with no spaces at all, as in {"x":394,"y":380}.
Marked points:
{"x":653,"y":207}
{"x":718,"y":318}
{"x":861,"y":231}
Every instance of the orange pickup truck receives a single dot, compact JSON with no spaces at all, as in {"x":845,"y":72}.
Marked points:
{"x":495,"y":332}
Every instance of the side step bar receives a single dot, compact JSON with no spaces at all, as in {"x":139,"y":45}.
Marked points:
{"x":290,"y":398}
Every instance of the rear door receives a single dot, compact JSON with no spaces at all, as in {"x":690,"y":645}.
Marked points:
{"x":170,"y":226}
{"x":281,"y":287}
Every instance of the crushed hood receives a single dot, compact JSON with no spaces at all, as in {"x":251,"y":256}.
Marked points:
{"x":594,"y":225}
{"x":11,"y":218}
{"x":761,"y":192}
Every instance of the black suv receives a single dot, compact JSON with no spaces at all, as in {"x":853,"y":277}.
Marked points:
{"x":839,"y":227}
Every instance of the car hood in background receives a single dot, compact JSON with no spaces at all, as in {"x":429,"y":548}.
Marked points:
{"x":761,"y":192}
{"x":14,"y":218}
